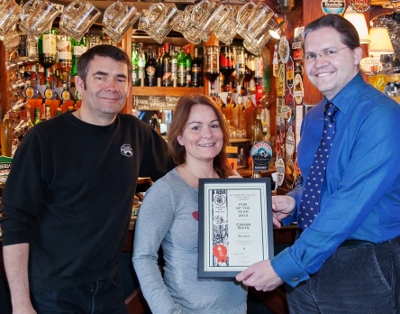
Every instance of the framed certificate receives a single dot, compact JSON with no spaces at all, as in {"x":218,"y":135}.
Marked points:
{"x":235,"y":225}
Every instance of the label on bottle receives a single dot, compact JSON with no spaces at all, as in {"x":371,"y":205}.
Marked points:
{"x":49,"y":43}
{"x":79,"y":50}
{"x":196,"y":74}
{"x":259,"y":67}
{"x":181,"y":75}
{"x":64,"y":50}
{"x":135,"y":75}
{"x":23,"y":47}
{"x":151,"y":71}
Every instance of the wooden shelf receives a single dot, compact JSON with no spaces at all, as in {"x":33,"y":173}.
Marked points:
{"x":165,"y":91}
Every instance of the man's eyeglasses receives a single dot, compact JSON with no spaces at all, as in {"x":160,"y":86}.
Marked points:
{"x":326,"y":53}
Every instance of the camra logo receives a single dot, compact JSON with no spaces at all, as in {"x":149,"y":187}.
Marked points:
{"x":127,"y":150}
{"x":219,"y":199}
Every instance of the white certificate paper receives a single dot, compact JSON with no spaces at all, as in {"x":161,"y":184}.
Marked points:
{"x":235,"y":225}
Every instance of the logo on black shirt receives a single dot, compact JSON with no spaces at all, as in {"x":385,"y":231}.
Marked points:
{"x":127,"y":150}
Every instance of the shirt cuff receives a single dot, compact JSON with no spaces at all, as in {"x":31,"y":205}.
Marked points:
{"x":287,"y":269}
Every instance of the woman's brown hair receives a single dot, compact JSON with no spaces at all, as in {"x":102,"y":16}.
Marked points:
{"x":180,"y":118}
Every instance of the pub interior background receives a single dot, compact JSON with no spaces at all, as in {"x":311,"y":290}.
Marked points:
{"x":280,"y":95}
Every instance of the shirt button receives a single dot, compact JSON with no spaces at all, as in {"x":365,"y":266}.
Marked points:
{"x":295,"y":279}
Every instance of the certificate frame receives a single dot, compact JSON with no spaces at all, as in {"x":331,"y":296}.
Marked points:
{"x":235,"y":225}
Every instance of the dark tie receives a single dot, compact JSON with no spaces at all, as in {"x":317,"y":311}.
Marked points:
{"x":309,"y":206}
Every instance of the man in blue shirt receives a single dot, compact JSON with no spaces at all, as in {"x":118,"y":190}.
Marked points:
{"x":347,"y":260}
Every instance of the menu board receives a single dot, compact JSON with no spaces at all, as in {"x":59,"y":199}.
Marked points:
{"x":154,"y":102}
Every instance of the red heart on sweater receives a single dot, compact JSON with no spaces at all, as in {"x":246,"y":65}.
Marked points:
{"x":196,"y":215}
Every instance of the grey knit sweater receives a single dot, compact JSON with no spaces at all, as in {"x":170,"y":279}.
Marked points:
{"x":168,"y":217}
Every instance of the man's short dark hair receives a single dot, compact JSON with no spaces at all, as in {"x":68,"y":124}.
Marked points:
{"x":110,"y":51}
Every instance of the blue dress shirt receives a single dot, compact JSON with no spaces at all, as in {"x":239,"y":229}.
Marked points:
{"x":361,"y":196}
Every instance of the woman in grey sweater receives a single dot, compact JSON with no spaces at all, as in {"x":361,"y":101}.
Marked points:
{"x":169,"y":217}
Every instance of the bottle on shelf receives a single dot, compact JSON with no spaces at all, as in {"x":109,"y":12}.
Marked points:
{"x":36,"y":115}
{"x":36,"y":83}
{"x":226,"y":65}
{"x":159,"y":72}
{"x":249,"y":112}
{"x":258,"y":77}
{"x":141,"y":64}
{"x":54,"y":86}
{"x":248,"y":73}
{"x":6,"y":136}
{"x":78,"y":48}
{"x":181,"y":68}
{"x":242,"y":119}
{"x":135,"y":65}
{"x":174,"y":65}
{"x":166,"y":62}
{"x":258,"y":134}
{"x":29,"y":122}
{"x":47,"y":110}
{"x":47,"y":48}
{"x":188,"y":66}
{"x":240,"y":68}
{"x":197,"y":70}
{"x":64,"y":48}
{"x":22,"y":46}
{"x":150,"y":70}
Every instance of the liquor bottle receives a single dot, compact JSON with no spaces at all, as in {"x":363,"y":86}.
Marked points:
{"x":22,"y":46}
{"x":258,"y":76}
{"x":36,"y":116}
{"x":33,"y":53}
{"x":54,"y":86}
{"x":36,"y":82}
{"x":141,"y":64}
{"x":166,"y":62}
{"x":188,"y":66}
{"x":242,"y":120}
{"x":181,"y":69}
{"x":135,"y":66}
{"x":258,"y":135}
{"x":58,"y":111}
{"x":6,"y":136}
{"x":78,"y":48}
{"x":29,"y":122}
{"x":240,"y":67}
{"x":47,"y":110}
{"x":197,"y":70}
{"x":174,"y":65}
{"x":159,"y":72}
{"x":248,"y":72}
{"x":150,"y":71}
{"x":47,"y":48}
{"x":227,"y":65}
{"x":250,"y":112}
{"x":64,"y":47}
